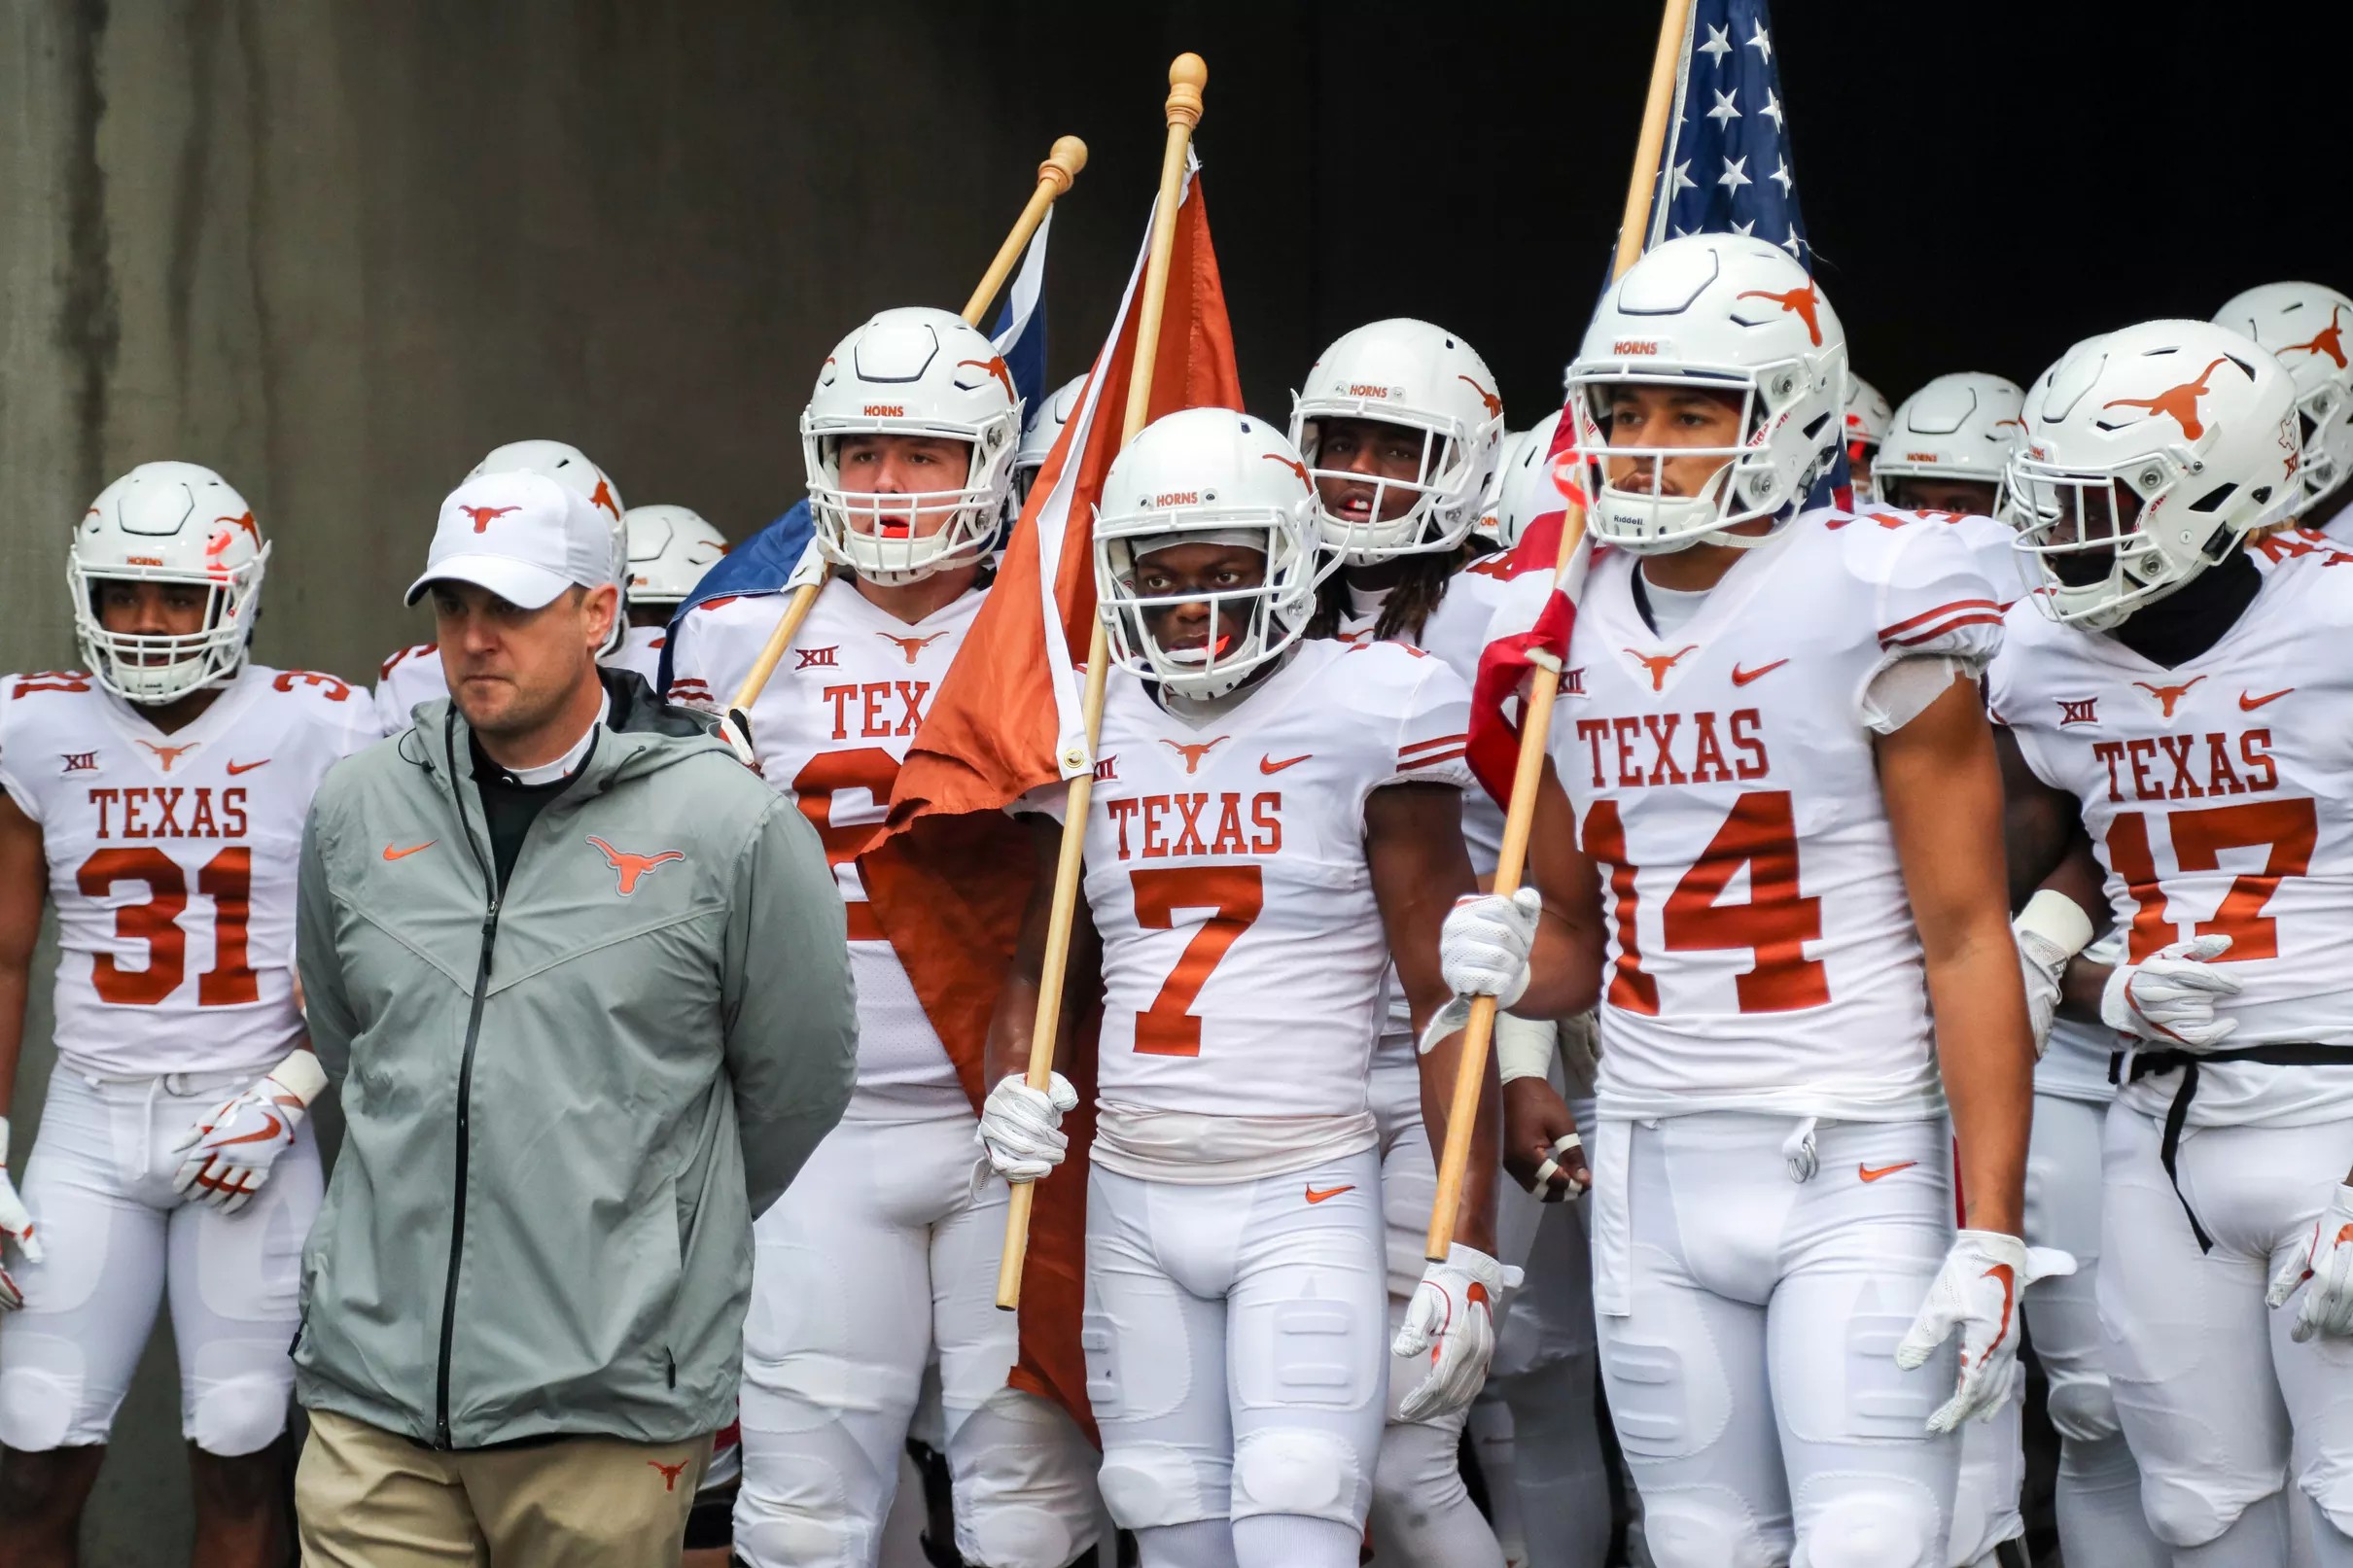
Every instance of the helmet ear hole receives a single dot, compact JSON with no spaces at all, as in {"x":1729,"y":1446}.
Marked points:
{"x":2213,"y":499}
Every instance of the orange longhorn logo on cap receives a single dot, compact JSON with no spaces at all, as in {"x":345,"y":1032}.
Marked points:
{"x":1804,"y":304}
{"x":2330,"y":341}
{"x":995,"y":365}
{"x":2177,"y":403}
{"x":482,"y":516}
{"x":1495,"y":404}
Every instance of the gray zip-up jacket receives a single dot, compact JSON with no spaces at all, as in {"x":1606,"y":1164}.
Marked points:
{"x":566,"y":1104}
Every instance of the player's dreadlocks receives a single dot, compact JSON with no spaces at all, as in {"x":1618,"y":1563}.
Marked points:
{"x":1410,"y":604}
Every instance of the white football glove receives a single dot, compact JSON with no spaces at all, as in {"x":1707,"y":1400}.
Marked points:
{"x":2050,"y":931}
{"x":1453,"y":1316}
{"x":1021,"y":1127}
{"x":2328,"y":1263}
{"x":14,"y":1223}
{"x":736,"y":730}
{"x":226,"y":1156}
{"x":2169,"y":996}
{"x":1484,"y":946}
{"x":1977,"y":1292}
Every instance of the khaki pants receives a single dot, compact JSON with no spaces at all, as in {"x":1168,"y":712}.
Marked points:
{"x":369,"y":1499}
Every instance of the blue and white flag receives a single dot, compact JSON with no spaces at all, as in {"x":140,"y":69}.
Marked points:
{"x":782,"y":555}
{"x":1725,"y":169}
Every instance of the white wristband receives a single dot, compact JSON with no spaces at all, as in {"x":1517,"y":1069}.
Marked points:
{"x":2057,"y":919}
{"x":1524,"y":1047}
{"x":299,"y":1075}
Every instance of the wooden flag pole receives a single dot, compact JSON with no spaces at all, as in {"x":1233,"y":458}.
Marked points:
{"x":1544,"y":683}
{"x":1054,"y":177}
{"x":1187,"y":75}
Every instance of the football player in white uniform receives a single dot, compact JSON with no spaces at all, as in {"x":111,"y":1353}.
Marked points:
{"x":1947,"y":447}
{"x":156,"y":800}
{"x":883,"y":1252}
{"x":1866,"y":418}
{"x":1402,"y":432}
{"x":1773,"y":773}
{"x":2304,"y":325}
{"x":2174,"y":702}
{"x":1270,"y":819}
{"x":414,"y":675}
{"x":1039,"y":433}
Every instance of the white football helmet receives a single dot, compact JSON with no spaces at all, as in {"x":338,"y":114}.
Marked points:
{"x":570,"y":466}
{"x":1527,"y":491}
{"x":911,"y":371}
{"x":2304,"y":326}
{"x":1513,"y":441}
{"x":1960,"y":426}
{"x":1425,"y":379}
{"x":670,"y":548}
{"x":1039,"y":433}
{"x":2149,"y":454}
{"x":1866,"y":419}
{"x":1213,"y":476}
{"x":1729,"y":313}
{"x":168,"y":522}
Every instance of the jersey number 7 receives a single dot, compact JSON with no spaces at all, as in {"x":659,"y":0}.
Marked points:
{"x":1234,"y":895}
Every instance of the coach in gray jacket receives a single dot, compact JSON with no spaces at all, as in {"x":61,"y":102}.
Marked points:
{"x":583,"y":979}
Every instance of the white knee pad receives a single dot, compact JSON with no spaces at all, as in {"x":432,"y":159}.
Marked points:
{"x":1298,"y":1470}
{"x":1873,"y":1528}
{"x":1025,"y":1493}
{"x":234,"y":1417}
{"x":2084,"y":1409}
{"x":808,"y":1521}
{"x":2329,"y":1486}
{"x":1145,"y":1485}
{"x":1690,"y":1528}
{"x":37,"y":1410}
{"x":2182,"y":1514}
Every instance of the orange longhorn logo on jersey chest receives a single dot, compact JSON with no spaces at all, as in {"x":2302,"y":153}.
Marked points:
{"x":166,"y":756}
{"x":1660,"y":664}
{"x":2168,"y":696}
{"x":911,"y":646}
{"x":1193,"y":752}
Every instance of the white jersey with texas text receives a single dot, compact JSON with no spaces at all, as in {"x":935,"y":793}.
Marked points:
{"x":1243,"y":950}
{"x":831,"y":726}
{"x":2219,"y":799}
{"x":1762,"y":955}
{"x":414,"y":674}
{"x":172,"y":861}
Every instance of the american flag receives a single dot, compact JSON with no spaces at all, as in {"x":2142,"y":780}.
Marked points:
{"x":1726,"y":164}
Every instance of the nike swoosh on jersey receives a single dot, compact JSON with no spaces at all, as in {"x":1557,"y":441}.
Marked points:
{"x":236,"y":768}
{"x":1267,"y":765}
{"x":391,"y":854}
{"x":1869,"y":1174}
{"x":1741,"y":677}
{"x":2248,"y":704}
{"x":1314,"y":1197}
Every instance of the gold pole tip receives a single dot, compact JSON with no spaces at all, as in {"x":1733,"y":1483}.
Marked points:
{"x":1189,"y":70}
{"x":1069,"y":155}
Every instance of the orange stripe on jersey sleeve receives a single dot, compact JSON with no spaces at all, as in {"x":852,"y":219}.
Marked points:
{"x":1932,"y":622}
{"x":1434,"y":743}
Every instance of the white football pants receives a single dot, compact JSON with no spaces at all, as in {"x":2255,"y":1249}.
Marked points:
{"x":116,"y":1237}
{"x":2100,"y":1522}
{"x":877,"y":1254}
{"x":1748,"y":1325}
{"x":2217,"y":1401}
{"x":1423,"y":1516}
{"x":1236,"y":1357}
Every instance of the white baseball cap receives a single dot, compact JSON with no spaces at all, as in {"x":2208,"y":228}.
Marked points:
{"x":522,"y":535}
